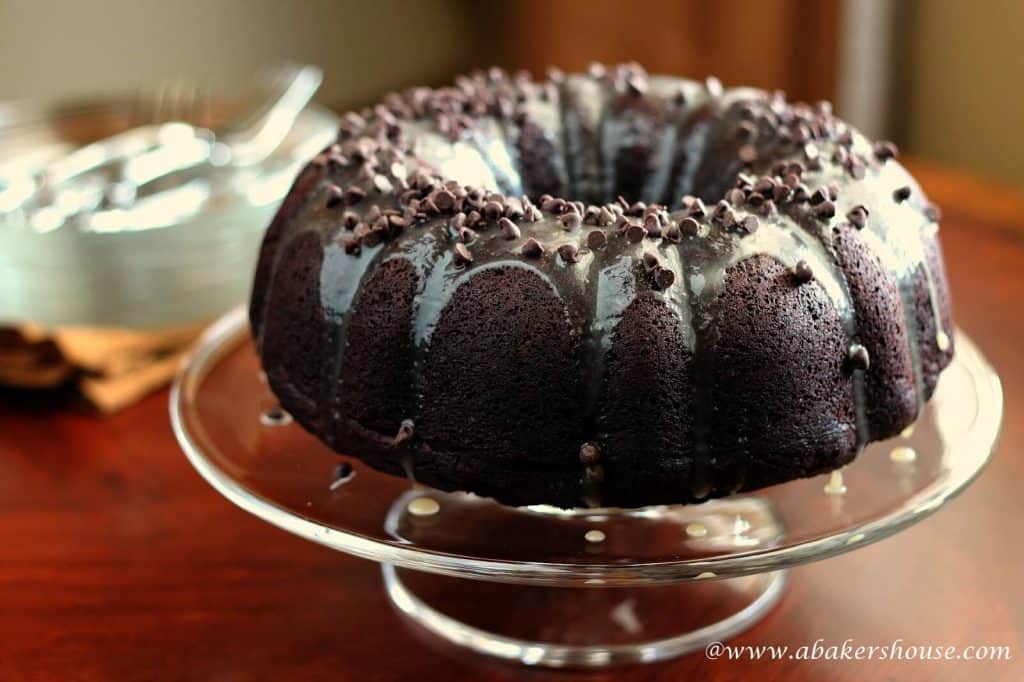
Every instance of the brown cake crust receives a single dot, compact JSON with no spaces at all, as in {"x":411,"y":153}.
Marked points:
{"x":485,"y":334}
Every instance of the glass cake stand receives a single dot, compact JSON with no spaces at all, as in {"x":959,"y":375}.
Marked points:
{"x":583,"y":587}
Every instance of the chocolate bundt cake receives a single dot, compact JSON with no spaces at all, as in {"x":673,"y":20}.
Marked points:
{"x":609,"y":288}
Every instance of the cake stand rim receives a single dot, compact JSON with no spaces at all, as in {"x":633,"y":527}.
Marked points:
{"x":224,"y":334}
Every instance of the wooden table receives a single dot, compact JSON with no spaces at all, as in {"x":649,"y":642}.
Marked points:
{"x":118,"y":562}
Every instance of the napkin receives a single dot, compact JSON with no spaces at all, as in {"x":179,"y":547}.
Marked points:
{"x":110,"y":368}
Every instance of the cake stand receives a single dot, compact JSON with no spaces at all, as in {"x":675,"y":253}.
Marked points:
{"x":584,"y":587}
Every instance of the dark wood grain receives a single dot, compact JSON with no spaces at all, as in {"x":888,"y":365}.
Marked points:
{"x":754,"y":43}
{"x":118,"y":562}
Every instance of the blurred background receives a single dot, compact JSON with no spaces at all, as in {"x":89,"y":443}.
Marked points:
{"x":939,"y":77}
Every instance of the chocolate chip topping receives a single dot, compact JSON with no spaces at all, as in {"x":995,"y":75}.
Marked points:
{"x":859,"y":358}
{"x":901,"y":194}
{"x":824,"y":210}
{"x":335,"y":196}
{"x":570,"y":221}
{"x":569,"y":253}
{"x":509,"y":229}
{"x":858,"y":216}
{"x":533,"y":248}
{"x":885,"y":150}
{"x":689,"y":227}
{"x":405,"y":433}
{"x":664,"y":278}
{"x":635,"y":233}
{"x":803,"y":272}
{"x":597,"y":239}
{"x":462,"y":254}
{"x":590,"y":454}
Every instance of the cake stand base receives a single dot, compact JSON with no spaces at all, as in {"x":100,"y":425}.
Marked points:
{"x":582,"y":628}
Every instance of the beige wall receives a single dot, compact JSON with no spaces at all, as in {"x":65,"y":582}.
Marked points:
{"x":960,"y":90}
{"x":80,"y":46}
{"x":958,"y":95}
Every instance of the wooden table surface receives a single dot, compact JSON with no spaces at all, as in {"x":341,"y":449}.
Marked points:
{"x":118,"y":562}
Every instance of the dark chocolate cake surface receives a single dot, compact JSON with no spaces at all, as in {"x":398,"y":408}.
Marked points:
{"x":609,"y":288}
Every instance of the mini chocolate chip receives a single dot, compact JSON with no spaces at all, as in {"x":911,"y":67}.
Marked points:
{"x":859,"y":358}
{"x":462,"y":254}
{"x":595,"y":473}
{"x":727,"y":218}
{"x":766,"y":209}
{"x":334,"y":196}
{"x":651,"y":261}
{"x":605,"y":216}
{"x":532,"y":248}
{"x":803,"y":272}
{"x":736,"y":197}
{"x":689,"y":227}
{"x":901,"y":194}
{"x":371,"y":238}
{"x":635,"y":233}
{"x":825,"y":210}
{"x":570,"y":220}
{"x":509,"y":229}
{"x":750,"y":224}
{"x":697,"y":209}
{"x":858,"y":216}
{"x":570,"y":253}
{"x":350,"y":219}
{"x":597,"y":239}
{"x":636,"y":84}
{"x":354,"y":194}
{"x":820,"y":195}
{"x":341,"y":472}
{"x":351,"y":244}
{"x":755,"y":199}
{"x":466,"y":235}
{"x":885,"y":150}
{"x":664,"y":278}
{"x":653,"y":225}
{"x":493,"y":210}
{"x":513,"y":208}
{"x":673,"y":234}
{"x":405,"y":432}
{"x":590,"y":454}
{"x":744,"y":131}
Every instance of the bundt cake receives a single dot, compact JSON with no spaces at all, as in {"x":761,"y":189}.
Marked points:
{"x":608,"y":288}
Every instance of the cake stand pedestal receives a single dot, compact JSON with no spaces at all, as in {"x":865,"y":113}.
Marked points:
{"x":585,"y":587}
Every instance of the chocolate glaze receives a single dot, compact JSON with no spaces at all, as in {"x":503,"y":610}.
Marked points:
{"x":427,"y":302}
